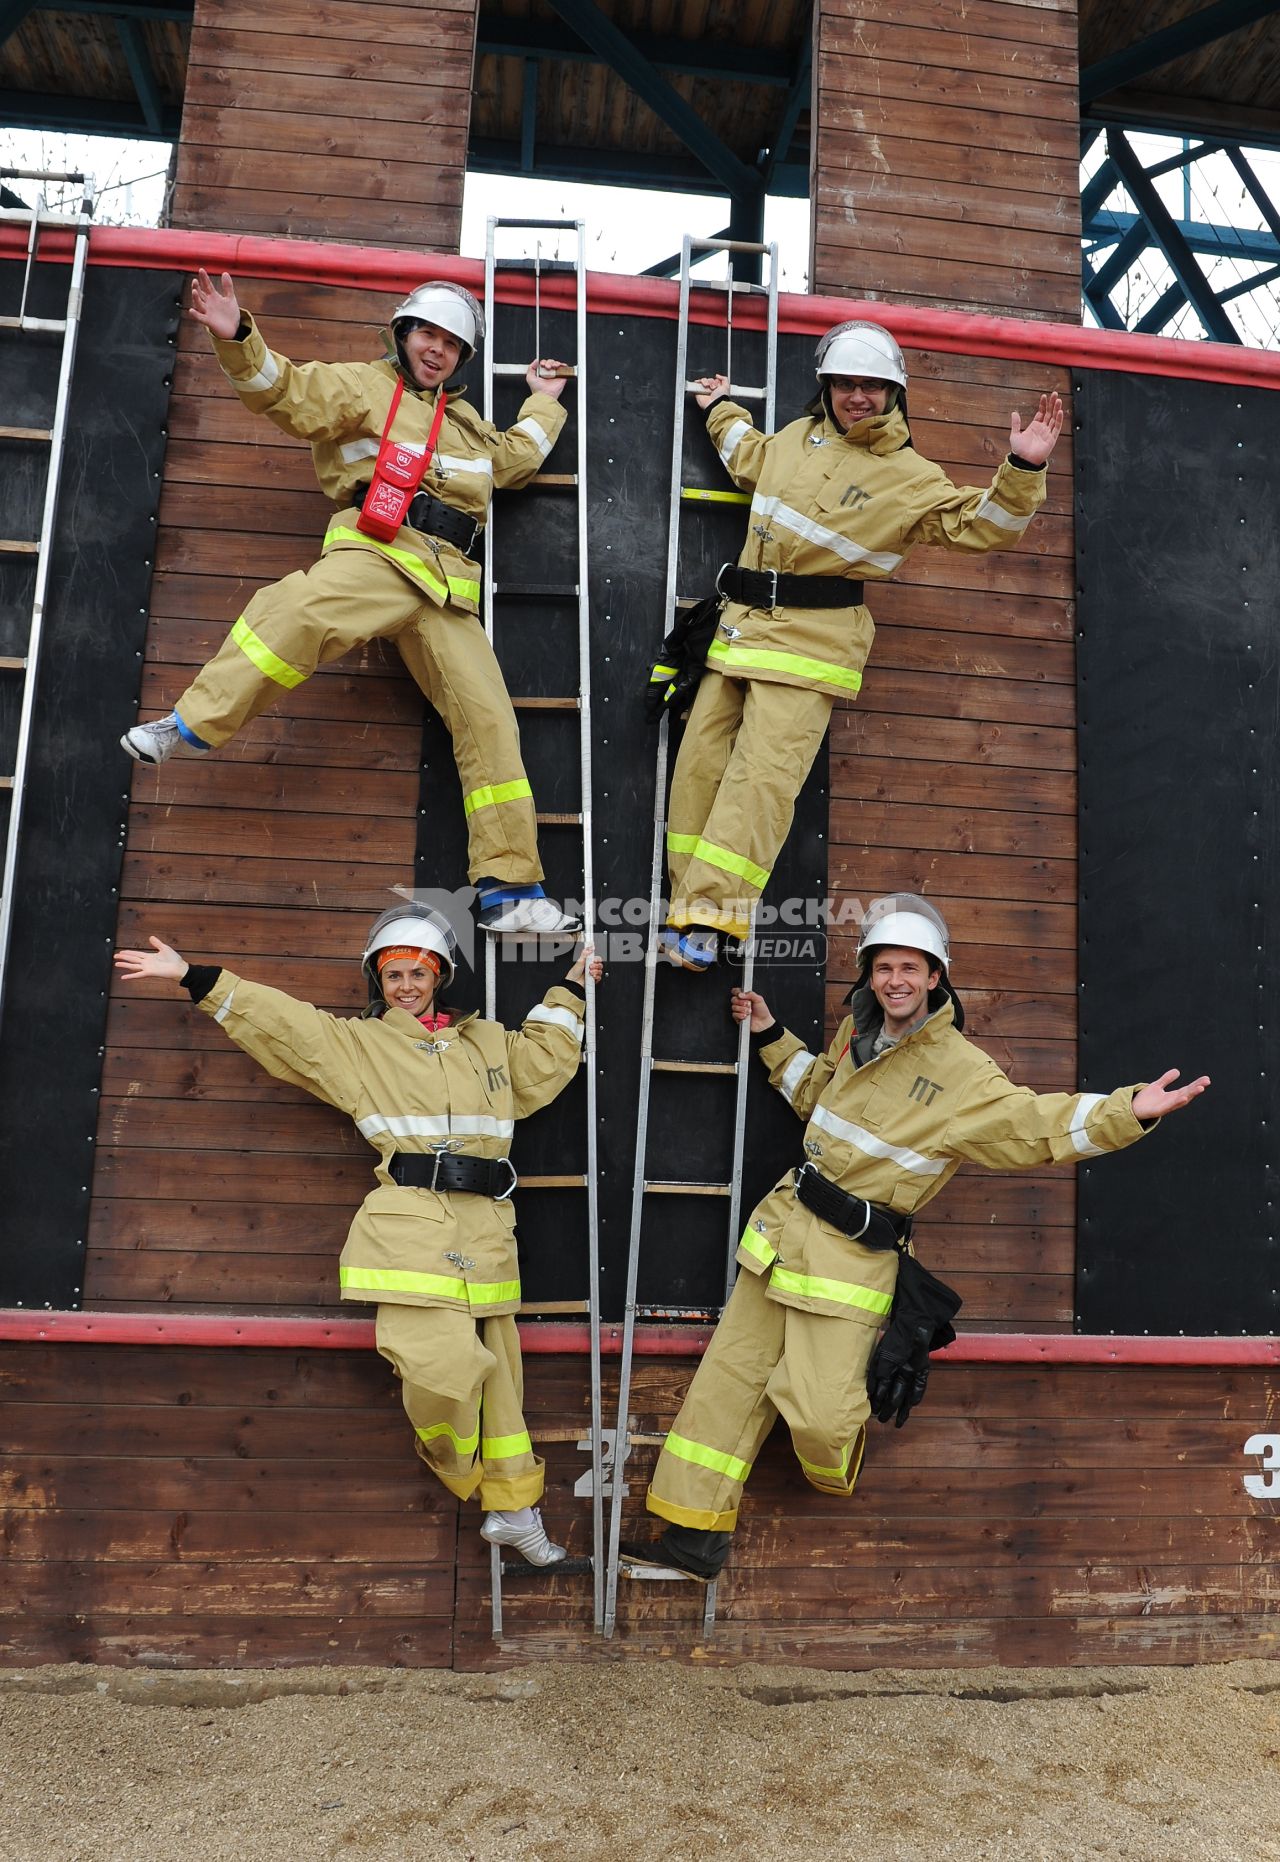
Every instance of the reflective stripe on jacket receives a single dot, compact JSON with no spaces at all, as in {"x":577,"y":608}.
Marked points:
{"x":342,"y":407}
{"x":850,"y":504}
{"x":459,"y":1088}
{"x":894,"y":1131}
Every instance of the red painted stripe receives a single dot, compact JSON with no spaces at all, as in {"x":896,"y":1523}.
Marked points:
{"x":573,"y":1339}
{"x":954,"y":332}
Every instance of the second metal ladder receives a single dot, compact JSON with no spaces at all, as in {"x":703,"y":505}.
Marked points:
{"x":684,"y":498}
{"x":26,"y":665}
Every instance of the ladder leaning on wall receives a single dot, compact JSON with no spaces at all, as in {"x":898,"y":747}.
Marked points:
{"x":687,"y":501}
{"x":501,"y":591}
{"x":22,"y":669}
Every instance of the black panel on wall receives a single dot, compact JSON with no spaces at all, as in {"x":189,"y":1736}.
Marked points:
{"x":1178,"y":562}
{"x":631,"y":363}
{"x":78,"y":777}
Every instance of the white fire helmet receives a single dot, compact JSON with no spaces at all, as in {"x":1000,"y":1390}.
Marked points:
{"x":419,"y":928}
{"x":449,"y":306}
{"x":906,"y":921}
{"x":865,"y":351}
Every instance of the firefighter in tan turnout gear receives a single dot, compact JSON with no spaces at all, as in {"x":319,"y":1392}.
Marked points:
{"x":411,"y":469}
{"x":839,"y":498}
{"x":891,"y":1110}
{"x":434,"y":1243}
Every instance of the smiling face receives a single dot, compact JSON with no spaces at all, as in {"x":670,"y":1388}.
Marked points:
{"x":900,"y":982}
{"x":408,"y":983}
{"x":856,"y":398}
{"x":431,"y":353}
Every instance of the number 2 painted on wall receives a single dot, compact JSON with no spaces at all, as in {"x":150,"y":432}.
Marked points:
{"x":1265,"y":1486}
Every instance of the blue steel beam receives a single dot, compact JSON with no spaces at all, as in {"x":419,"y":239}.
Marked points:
{"x":504,"y":36}
{"x":798,"y":100}
{"x":496,"y":155}
{"x":1218,"y":242}
{"x":1165,"y":234}
{"x":1099,"y":300}
{"x":1254,"y":188}
{"x":1170,"y":42}
{"x":143,"y":76}
{"x":87,"y":116}
{"x":667,"y":268}
{"x":617,"y":51}
{"x":1166,"y":305}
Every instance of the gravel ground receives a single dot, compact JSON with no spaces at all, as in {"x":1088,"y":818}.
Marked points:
{"x":654,"y":1761}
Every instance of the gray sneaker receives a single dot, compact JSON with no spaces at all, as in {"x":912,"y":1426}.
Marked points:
{"x":158,"y":741}
{"x":530,"y":1540}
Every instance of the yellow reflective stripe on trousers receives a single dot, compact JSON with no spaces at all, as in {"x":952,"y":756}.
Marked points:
{"x":411,"y":564}
{"x":263,"y":658}
{"x":494,"y":794}
{"x":505,"y":1447}
{"x":463,"y":1444}
{"x":829,"y":1474}
{"x":730,"y":658}
{"x":754,"y":1244}
{"x":681,"y":843}
{"x":735,"y":863}
{"x":839,"y":1292}
{"x":704,"y":1457}
{"x":430,"y":1286}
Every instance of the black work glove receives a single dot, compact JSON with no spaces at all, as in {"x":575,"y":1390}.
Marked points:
{"x":678,"y":668}
{"x":919,"y":1322}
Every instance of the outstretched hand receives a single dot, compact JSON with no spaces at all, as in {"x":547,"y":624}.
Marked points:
{"x":1156,"y":1100}
{"x":744,"y":1003}
{"x":215,"y":305}
{"x":162,"y":960}
{"x":1035,"y":442}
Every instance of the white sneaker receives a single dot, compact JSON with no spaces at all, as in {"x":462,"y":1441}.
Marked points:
{"x":525,"y":1533}
{"x":158,"y":741}
{"x":529,"y":918}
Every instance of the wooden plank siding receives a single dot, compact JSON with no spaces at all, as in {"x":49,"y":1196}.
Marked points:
{"x":339,"y":120}
{"x":946,"y":175}
{"x":273,"y":856}
{"x":242,"y":1508}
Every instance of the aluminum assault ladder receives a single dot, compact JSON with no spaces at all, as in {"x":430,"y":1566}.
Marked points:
{"x":499,"y":588}
{"x":26,"y":666}
{"x":684,"y":498}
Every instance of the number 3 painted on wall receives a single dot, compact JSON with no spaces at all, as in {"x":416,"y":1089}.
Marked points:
{"x":1264,"y":1486}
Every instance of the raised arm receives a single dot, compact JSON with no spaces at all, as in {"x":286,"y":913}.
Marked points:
{"x":1008,"y":1127}
{"x":310,"y":400}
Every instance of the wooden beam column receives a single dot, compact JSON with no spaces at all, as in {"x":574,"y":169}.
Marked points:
{"x":328,"y":119}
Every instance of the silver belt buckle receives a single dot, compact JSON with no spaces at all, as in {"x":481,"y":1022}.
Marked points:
{"x":719,"y":572}
{"x":773,"y":598}
{"x":506,"y":1194}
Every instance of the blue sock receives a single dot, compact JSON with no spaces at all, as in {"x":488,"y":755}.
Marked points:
{"x":188,"y":735}
{"x":491,"y":892}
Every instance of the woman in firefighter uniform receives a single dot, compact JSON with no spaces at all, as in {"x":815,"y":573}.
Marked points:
{"x":434,"y":1242}
{"x":891,"y":1110}
{"x":396,"y":562}
{"x":839,"y":498}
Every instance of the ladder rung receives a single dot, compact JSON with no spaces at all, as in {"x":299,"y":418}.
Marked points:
{"x":26,"y":433}
{"x":563,"y":1568}
{"x":13,"y":665}
{"x":566,"y":371}
{"x":6,"y":782}
{"x":695,"y":1066}
{"x":55,"y":325}
{"x":558,"y":821}
{"x":536,"y":265}
{"x":547,"y":704}
{"x":632,"y":1568}
{"x":697,"y":494}
{"x":682,"y":1315}
{"x":553,"y":1183}
{"x":553,"y":481}
{"x":540,"y":591}
{"x":10,"y":548}
{"x":550,"y":1306}
{"x":688,"y":1189}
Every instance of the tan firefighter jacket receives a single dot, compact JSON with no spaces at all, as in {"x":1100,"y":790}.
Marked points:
{"x":342,"y":407}
{"x":459,"y":1089}
{"x":894,"y":1131}
{"x":849,"y":504}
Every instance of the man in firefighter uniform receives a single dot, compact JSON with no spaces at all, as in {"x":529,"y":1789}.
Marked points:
{"x":419,"y":586}
{"x":891,"y":1110}
{"x":434,"y":1243}
{"x":839,"y":497}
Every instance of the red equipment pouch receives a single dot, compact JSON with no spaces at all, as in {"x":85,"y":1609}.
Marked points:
{"x":396,"y":476}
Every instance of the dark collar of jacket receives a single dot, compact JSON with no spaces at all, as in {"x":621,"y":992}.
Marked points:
{"x":879,"y":434}
{"x":868,"y":1020}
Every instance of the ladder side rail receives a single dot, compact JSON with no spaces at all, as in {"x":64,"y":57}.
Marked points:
{"x":622,"y":1435}
{"x":486,"y":580}
{"x":48,"y":523}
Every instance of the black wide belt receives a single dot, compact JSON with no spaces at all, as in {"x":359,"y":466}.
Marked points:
{"x":446,"y":1172}
{"x":765,"y":588}
{"x":869,"y":1223}
{"x":434,"y":518}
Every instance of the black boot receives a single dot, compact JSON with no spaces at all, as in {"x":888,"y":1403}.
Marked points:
{"x":699,"y":1552}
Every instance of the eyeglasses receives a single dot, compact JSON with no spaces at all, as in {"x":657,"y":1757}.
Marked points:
{"x":848,"y":384}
